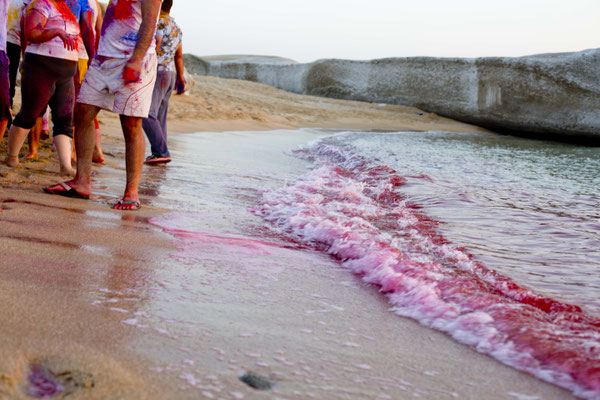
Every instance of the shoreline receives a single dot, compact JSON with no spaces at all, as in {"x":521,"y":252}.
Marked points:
{"x":149,"y":304}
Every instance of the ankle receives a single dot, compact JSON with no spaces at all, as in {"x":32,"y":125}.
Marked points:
{"x":11,"y":161}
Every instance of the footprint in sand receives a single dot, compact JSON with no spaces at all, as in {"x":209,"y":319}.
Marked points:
{"x":43,"y":383}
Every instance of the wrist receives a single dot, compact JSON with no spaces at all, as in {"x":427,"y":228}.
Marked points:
{"x":136,"y":58}
{"x":52,"y":33}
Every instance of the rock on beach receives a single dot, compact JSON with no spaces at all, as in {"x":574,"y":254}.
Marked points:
{"x":545,"y":96}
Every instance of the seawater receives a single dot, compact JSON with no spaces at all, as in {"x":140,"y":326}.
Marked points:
{"x":492,"y":239}
{"x":527,"y":209}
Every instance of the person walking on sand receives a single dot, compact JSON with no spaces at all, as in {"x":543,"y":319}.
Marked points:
{"x":120,"y":79}
{"x":5,"y":114}
{"x":89,"y":15}
{"x":169,"y":76}
{"x":82,"y":11}
{"x":49,"y":63}
{"x":14,"y":40}
{"x":14,"y":43}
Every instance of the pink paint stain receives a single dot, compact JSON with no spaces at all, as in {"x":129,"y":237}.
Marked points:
{"x":41,"y":384}
{"x":193,"y":243}
{"x":118,"y":10}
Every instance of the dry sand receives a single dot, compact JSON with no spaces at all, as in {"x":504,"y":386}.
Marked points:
{"x":72,"y":271}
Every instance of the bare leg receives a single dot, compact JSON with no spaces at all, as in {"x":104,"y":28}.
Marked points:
{"x":73,"y":151}
{"x":46,"y":125}
{"x":84,"y":131}
{"x":135,"y":146}
{"x":34,"y":139}
{"x":3,"y":128}
{"x":63,"y":149}
{"x":16,"y":137}
{"x":98,"y":155}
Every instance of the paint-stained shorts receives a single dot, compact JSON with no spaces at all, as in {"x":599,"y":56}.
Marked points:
{"x":4,"y":88}
{"x":103,"y":86}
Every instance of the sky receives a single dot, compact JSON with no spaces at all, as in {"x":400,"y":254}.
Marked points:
{"x":308,"y":30}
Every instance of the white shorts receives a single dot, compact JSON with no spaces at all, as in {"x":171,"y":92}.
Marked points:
{"x":103,"y":87}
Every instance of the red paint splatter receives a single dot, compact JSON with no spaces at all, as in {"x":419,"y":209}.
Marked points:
{"x":123,"y":9}
{"x":65,"y":11}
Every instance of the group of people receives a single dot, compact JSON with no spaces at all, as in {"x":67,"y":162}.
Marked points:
{"x":77,"y":63}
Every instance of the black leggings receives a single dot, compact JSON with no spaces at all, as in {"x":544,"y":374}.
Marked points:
{"x":13,"y":51}
{"x":47,"y":81}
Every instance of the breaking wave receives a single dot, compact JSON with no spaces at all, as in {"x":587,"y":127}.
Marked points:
{"x":351,"y":207}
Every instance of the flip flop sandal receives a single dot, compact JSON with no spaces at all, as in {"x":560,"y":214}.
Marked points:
{"x":63,"y":189}
{"x":152,"y":160}
{"x":121,"y":203}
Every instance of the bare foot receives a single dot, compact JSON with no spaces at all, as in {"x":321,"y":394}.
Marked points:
{"x":31,"y":156}
{"x":11,"y":161}
{"x":98,"y":157}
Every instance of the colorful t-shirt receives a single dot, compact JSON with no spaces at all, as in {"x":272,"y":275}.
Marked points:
{"x":79,"y":8}
{"x":15,"y":13}
{"x":58,"y":17}
{"x":120,"y":29}
{"x":171,"y":36}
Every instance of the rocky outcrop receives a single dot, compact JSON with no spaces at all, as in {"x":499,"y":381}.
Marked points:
{"x":553,"y":96}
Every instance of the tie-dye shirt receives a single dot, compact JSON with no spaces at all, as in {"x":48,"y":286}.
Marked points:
{"x":58,"y":17}
{"x":171,"y":36}
{"x":120,"y":29}
{"x":15,"y":13}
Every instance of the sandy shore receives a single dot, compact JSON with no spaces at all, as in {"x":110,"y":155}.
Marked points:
{"x":116,"y":307}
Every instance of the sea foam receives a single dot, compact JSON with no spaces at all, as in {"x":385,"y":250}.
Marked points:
{"x":353,"y":209}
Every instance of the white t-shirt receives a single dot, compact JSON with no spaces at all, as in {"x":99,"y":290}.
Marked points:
{"x":59,"y":16}
{"x":3,"y":24}
{"x":120,"y":29}
{"x":15,"y":13}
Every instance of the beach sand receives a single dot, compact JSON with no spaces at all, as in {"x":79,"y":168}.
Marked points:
{"x":100,"y":304}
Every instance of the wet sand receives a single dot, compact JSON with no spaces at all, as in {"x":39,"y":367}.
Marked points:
{"x":125,"y":305}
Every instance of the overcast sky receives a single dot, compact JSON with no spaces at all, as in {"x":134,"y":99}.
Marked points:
{"x":308,"y":30}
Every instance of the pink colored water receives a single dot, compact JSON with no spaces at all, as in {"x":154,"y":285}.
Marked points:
{"x":358,"y":216}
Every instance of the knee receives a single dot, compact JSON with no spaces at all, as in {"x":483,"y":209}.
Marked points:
{"x":79,"y":115}
{"x":24,"y":120}
{"x":131,"y":126}
{"x":84,"y":115}
{"x":63,"y":125}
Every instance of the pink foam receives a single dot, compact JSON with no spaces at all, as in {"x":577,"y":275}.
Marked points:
{"x":355,"y":213}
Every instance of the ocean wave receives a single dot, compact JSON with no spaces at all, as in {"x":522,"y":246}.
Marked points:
{"x":352,"y":208}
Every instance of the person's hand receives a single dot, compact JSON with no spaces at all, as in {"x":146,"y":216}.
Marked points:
{"x":132,"y":71}
{"x":180,"y":86}
{"x":69,"y":41}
